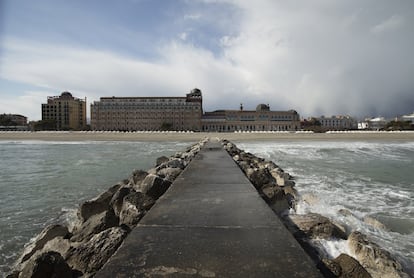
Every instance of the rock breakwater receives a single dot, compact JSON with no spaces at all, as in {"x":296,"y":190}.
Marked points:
{"x":277,"y":188}
{"x":102,"y":223}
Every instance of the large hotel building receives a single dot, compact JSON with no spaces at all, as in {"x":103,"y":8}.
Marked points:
{"x":185,"y":113}
{"x":148,"y":113}
{"x":68,"y":112}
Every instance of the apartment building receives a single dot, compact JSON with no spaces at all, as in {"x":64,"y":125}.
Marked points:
{"x":148,"y":113}
{"x":68,"y":112}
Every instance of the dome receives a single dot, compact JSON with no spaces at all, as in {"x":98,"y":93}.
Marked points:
{"x":66,"y":95}
{"x":196,"y":91}
{"x":262,"y":107}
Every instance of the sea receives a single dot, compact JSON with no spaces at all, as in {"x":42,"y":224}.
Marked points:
{"x":43,"y":182}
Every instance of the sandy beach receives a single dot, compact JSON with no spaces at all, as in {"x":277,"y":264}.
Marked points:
{"x":197,"y":136}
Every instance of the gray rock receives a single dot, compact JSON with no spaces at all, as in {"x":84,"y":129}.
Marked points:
{"x":377,"y":261}
{"x":41,"y":239}
{"x":98,"y":204}
{"x":95,"y":224}
{"x":169,"y":173}
{"x":259,"y":177}
{"x":161,"y":160}
{"x":137,"y":177}
{"x":154,"y":186}
{"x":314,"y":225}
{"x":344,"y":266}
{"x":49,"y":264}
{"x":91,"y":255}
{"x":275,"y":197}
{"x":134,"y":207}
{"x":118,"y":199}
{"x":176,"y":163}
{"x":375,"y":223}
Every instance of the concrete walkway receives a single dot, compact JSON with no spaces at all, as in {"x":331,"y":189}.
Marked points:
{"x":210,"y":223}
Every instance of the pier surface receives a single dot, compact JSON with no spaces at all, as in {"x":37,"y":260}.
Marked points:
{"x":210,"y":223}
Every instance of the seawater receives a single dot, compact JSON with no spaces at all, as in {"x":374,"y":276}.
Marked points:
{"x":43,"y":182}
{"x":373,"y":179}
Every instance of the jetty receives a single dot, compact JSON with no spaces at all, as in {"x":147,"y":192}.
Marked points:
{"x":211,"y":222}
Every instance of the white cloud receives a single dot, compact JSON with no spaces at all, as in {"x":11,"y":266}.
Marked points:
{"x":192,"y":16}
{"x":314,"y":58}
{"x":392,"y":23}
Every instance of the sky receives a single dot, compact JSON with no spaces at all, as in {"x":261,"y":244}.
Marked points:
{"x":318,"y":57}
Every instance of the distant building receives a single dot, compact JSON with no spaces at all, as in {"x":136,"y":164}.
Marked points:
{"x":376,"y":123}
{"x":68,"y":112}
{"x":408,"y":118}
{"x":13,"y":119}
{"x":261,"y":119}
{"x":148,"y":113}
{"x":338,"y":122}
{"x":13,"y":122}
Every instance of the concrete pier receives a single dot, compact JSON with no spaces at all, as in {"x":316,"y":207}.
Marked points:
{"x":210,"y":223}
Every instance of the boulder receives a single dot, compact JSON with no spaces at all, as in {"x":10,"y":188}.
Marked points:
{"x":49,"y":264}
{"x":41,"y":239}
{"x":161,"y":160}
{"x":259,"y":177}
{"x":314,"y":225}
{"x":91,"y":255}
{"x":244,"y":165}
{"x":375,"y":223}
{"x":378,"y":262}
{"x":176,"y":163}
{"x":169,"y":173}
{"x":118,"y":199}
{"x":98,"y":204}
{"x":137,"y":177}
{"x":291,"y":195}
{"x":134,"y":207}
{"x":154,"y":186}
{"x":95,"y":224}
{"x":275,"y":197}
{"x":344,"y":266}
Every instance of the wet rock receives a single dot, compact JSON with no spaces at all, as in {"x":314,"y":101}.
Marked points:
{"x":98,"y":204}
{"x":259,"y":177}
{"x":44,"y":237}
{"x":134,"y":207}
{"x":118,"y":199}
{"x":378,"y":262}
{"x":275,"y":197}
{"x":161,"y":160}
{"x":49,"y":264}
{"x":95,"y":224}
{"x":375,"y":223}
{"x":154,"y":186}
{"x":315,"y":226}
{"x":344,"y":266}
{"x":91,"y":255}
{"x":176,"y":163}
{"x":137,"y":177}
{"x":169,"y":174}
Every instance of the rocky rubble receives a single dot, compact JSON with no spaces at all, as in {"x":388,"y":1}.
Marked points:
{"x":102,"y":224}
{"x":277,"y":188}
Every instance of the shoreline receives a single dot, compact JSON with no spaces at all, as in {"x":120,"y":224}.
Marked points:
{"x":197,"y":136}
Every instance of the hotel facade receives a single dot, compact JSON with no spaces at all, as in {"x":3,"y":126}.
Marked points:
{"x":184,"y":114}
{"x":68,"y":112}
{"x":148,"y":113}
{"x":261,"y":119}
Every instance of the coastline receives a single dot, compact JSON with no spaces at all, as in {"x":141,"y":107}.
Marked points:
{"x":197,"y":136}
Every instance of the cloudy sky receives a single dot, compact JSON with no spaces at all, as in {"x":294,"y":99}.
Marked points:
{"x":319,"y":57}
